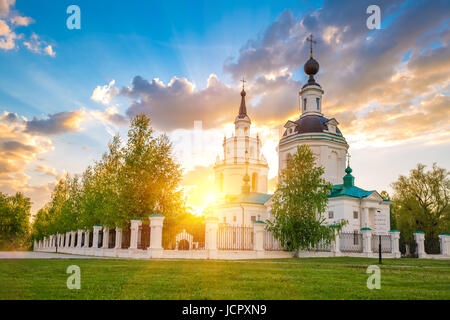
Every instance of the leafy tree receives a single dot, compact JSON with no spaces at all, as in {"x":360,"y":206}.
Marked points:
{"x":14,"y":221}
{"x":421,"y":202}
{"x":299,"y":203}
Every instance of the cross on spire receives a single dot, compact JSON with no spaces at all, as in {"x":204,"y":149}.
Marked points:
{"x":243,"y":83}
{"x":311,"y":42}
{"x":348,"y":159}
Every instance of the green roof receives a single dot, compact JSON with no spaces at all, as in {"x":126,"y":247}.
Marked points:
{"x":252,"y":197}
{"x":348,"y":188}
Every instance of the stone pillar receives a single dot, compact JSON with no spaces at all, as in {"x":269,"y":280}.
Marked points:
{"x":335,"y":243}
{"x":395,"y":245}
{"x":444,"y":239}
{"x":211,"y":228}
{"x":86,"y":238}
{"x":35,"y":245}
{"x":134,"y":230}
{"x":105,"y":238}
{"x":419,"y":237}
{"x":259,"y":229}
{"x":97,"y":229}
{"x":367,"y":240}
{"x":156,"y":228}
{"x":118,"y":238}
{"x":365,"y":218}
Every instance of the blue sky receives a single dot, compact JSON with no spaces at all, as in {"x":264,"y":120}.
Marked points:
{"x":373,"y":79}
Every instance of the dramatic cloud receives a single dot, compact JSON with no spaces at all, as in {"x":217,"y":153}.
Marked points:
{"x":58,"y":123}
{"x":178,"y":105}
{"x":104,"y":94}
{"x":10,"y":19}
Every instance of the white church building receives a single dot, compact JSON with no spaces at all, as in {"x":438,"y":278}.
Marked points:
{"x":241,"y":171}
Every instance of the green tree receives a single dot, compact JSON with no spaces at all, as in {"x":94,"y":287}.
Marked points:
{"x":14,"y":221}
{"x":299,"y":203}
{"x":421,"y":202}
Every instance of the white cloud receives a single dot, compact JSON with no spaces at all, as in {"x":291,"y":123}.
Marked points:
{"x":104,"y":94}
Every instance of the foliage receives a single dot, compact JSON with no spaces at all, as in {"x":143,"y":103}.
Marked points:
{"x":299,"y":203}
{"x":14,"y":221}
{"x":131,"y":180}
{"x":421,"y":202}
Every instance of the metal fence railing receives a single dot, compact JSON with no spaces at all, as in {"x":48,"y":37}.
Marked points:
{"x":385,"y":243}
{"x":234,"y":237}
{"x":126,"y":235}
{"x":270,"y":243}
{"x":112,"y":239}
{"x":144,"y":237}
{"x":350,"y":242}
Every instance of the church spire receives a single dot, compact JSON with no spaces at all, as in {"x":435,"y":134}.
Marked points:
{"x":243,"y":107}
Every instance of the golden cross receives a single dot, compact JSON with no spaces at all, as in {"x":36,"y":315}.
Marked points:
{"x":348,"y":159}
{"x":243,"y":83}
{"x":311,"y":41}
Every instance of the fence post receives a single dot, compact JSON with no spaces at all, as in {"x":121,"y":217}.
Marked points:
{"x":259,"y":228}
{"x":444,"y":239}
{"x":211,"y":228}
{"x":156,"y":229}
{"x":367,"y":240}
{"x":134,"y":231}
{"x":80,"y":236}
{"x":97,"y":229}
{"x":72,"y":239}
{"x":395,"y":246}
{"x":335,"y":242}
{"x":419,"y":237}
{"x":105,"y":238}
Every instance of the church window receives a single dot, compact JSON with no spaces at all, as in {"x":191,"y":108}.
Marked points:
{"x":330,"y":214}
{"x":355,"y":214}
{"x":304,"y":104}
{"x":318,"y":104}
{"x":253,"y":218}
{"x":254,"y":181}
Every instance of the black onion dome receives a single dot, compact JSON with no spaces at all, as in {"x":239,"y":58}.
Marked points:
{"x":311,"y":67}
{"x":312,"y":124}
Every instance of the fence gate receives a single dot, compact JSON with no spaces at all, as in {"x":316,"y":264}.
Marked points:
{"x":184,"y":236}
{"x":235,"y":237}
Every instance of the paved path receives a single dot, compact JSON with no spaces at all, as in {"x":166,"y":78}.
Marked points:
{"x":41,"y":255}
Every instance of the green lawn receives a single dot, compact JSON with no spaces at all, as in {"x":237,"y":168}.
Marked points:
{"x":314,"y":278}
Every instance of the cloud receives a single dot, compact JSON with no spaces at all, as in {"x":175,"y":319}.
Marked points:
{"x":36,"y":45}
{"x":104,"y":94}
{"x":58,"y":123}
{"x":10,"y":19}
{"x":178,"y":105}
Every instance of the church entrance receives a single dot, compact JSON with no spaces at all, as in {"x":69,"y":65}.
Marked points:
{"x":183,"y":245}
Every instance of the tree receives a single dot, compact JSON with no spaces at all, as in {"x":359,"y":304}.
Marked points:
{"x":421,"y":202}
{"x":14,"y":221}
{"x":299,"y":203}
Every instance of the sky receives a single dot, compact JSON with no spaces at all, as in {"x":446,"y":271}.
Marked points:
{"x":64,"y":93}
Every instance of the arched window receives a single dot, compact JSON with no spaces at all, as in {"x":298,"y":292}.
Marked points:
{"x":318,"y":104}
{"x":304,"y":104}
{"x":254,"y":181}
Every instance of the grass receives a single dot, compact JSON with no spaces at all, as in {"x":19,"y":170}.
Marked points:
{"x":314,"y":278}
